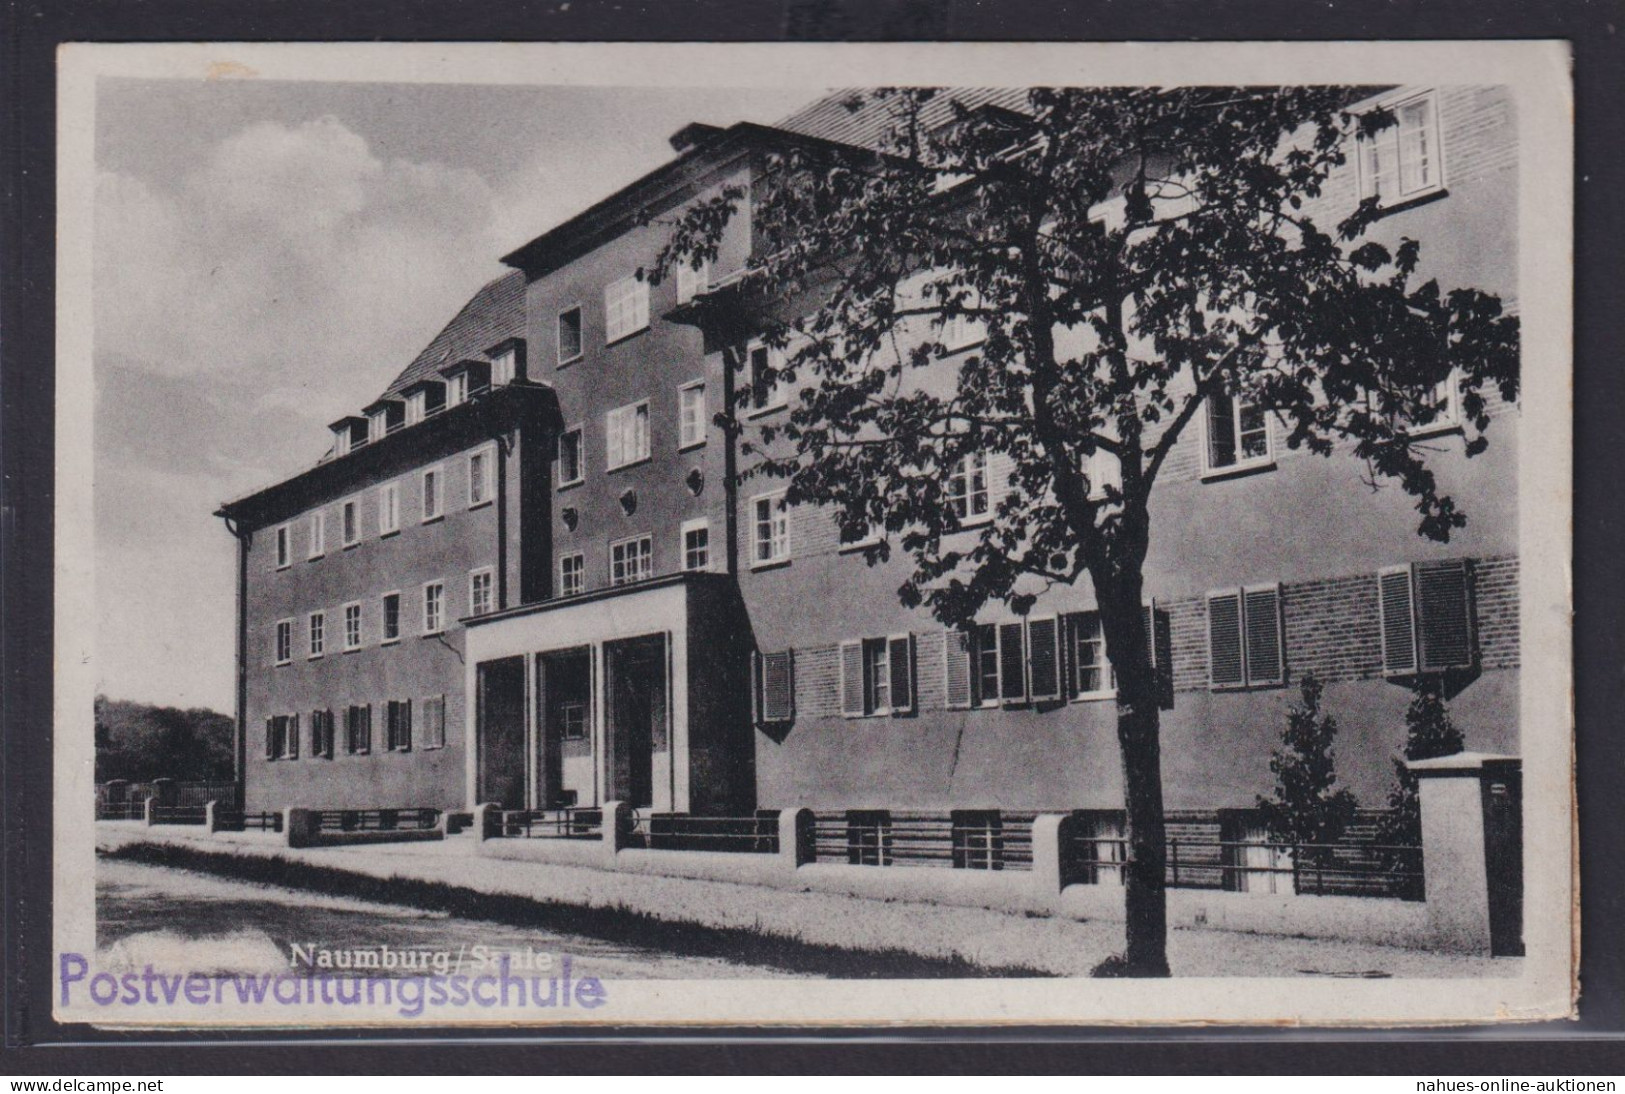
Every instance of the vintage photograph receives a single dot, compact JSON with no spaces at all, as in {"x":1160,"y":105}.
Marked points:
{"x":605,"y":535}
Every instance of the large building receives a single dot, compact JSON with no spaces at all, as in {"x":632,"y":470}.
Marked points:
{"x":529,"y":574}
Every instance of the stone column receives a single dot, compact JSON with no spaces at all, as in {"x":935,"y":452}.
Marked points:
{"x":1455,"y":870}
{"x":616,"y":829}
{"x":299,"y":827}
{"x":795,"y":838}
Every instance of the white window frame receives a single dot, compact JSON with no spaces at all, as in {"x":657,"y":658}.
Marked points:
{"x":691,"y":435}
{"x":1391,"y":140}
{"x":417,"y":407}
{"x":961,"y":332}
{"x":1449,"y":418}
{"x":692,"y":282}
{"x":647,"y":573}
{"x":438,"y":494}
{"x":318,"y":534}
{"x":437,"y":623}
{"x":581,"y":335}
{"x":284,"y":546}
{"x":1104,"y":469}
{"x":316,"y":635}
{"x":580,"y":431}
{"x":580,"y":571}
{"x":456,"y":389}
{"x":616,"y":295}
{"x":505,"y":367}
{"x":360,"y":626}
{"x":487,"y":478}
{"x":778,"y":540}
{"x":778,"y":395}
{"x":615,"y":424}
{"x":1075,"y":666}
{"x":963,"y":470}
{"x":1241,"y":464}
{"x":389,"y":508}
{"x":698,"y":524}
{"x":377,"y":426}
{"x":476,"y":576}
{"x":346,"y":508}
{"x":282,"y":651}
{"x":384,"y":638}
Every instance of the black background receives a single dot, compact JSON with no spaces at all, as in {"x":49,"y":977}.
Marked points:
{"x":34,"y":1044}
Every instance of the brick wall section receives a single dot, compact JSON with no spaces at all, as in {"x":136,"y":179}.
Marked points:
{"x":1331,"y":629}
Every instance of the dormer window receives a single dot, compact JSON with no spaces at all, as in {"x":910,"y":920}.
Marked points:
{"x":424,"y":398}
{"x":466,"y":378}
{"x":507,"y":362}
{"x":385,"y":417}
{"x":415,"y":403}
{"x":457,"y":389}
{"x":349,"y":434}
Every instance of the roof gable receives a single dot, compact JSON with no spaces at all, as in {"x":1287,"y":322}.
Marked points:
{"x":494,"y":314}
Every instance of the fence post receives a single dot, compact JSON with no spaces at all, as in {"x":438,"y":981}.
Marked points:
{"x":299,"y":827}
{"x":616,"y":829}
{"x":482,"y":820}
{"x":796,"y":836}
{"x":1055,"y":853}
{"x":150,"y":807}
{"x":210,"y":817}
{"x":164,"y":791}
{"x":1464,"y":875}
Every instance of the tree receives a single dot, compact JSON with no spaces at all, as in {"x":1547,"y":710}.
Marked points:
{"x":1429,"y":734}
{"x":1306,"y":811}
{"x":1129,"y":256}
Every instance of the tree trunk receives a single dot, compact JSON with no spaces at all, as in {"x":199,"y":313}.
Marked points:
{"x":1138,"y":725}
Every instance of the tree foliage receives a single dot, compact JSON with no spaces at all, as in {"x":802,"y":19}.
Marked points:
{"x":1429,"y":734}
{"x":1308,"y":808}
{"x":140,"y":742}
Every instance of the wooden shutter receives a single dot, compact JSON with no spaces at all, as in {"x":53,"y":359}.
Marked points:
{"x":270,"y":738}
{"x":366,"y":727}
{"x":291,"y":736}
{"x":1151,"y":633}
{"x":406,"y":725}
{"x":775,"y":687}
{"x":956,"y":668}
{"x":1043,"y":659}
{"x":1225,"y":667}
{"x":1444,"y":615}
{"x":1012,"y":662}
{"x":1261,"y":608}
{"x":1394,"y":605}
{"x":852,"y":698}
{"x":900,"y":659}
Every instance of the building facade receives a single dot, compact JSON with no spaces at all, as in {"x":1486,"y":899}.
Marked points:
{"x":622,"y":619}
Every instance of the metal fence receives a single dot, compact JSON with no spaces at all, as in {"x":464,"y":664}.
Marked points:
{"x":754,"y":834}
{"x":962,"y":840}
{"x":179,"y":814}
{"x":376,"y":820}
{"x":117,"y":800}
{"x":576,"y":824}
{"x":230,"y":820}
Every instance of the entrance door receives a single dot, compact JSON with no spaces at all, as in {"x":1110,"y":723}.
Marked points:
{"x":635,"y":678}
{"x":564,"y":710}
{"x":500,"y":729}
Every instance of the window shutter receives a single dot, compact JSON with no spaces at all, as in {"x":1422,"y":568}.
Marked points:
{"x":292,"y":736}
{"x":1043,"y":659}
{"x":1221,"y":431}
{"x":1398,"y":621}
{"x":270,"y":738}
{"x":366,"y":727}
{"x":1264,"y":653}
{"x":1151,"y":634}
{"x":775,"y":689}
{"x":406,"y":725}
{"x":957,"y":668}
{"x":900,"y":655}
{"x":1444,"y":615}
{"x":1224,"y":656}
{"x":1012,"y":662}
{"x":852,"y":704}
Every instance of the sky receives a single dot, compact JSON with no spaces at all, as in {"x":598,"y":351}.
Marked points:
{"x":267,"y":256}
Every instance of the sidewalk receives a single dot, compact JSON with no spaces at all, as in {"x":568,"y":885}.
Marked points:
{"x":991,"y":939}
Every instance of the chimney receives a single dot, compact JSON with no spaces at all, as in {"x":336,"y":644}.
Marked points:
{"x":691,"y":134}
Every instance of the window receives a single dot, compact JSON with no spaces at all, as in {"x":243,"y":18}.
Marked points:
{"x":978,"y":839}
{"x":352,"y":626}
{"x":696,"y":544}
{"x":877,"y":676}
{"x":284,"y":547}
{"x":282,"y":737}
{"x":318,"y":534}
{"x":1244,"y":638}
{"x":1017,"y":661}
{"x":416,"y":407}
{"x":691,"y":415}
{"x":1236,"y":435}
{"x":321,"y":734}
{"x":627,"y":432}
{"x":570,"y":341}
{"x":433,"y":489}
{"x":457,"y":389}
{"x":481,"y":592}
{"x":770,"y":538}
{"x":481,"y":477}
{"x":434,"y":721}
{"x":398,"y":725}
{"x":389,"y":509}
{"x":631,"y":560}
{"x":572,"y":468}
{"x":504,"y":367}
{"x":572,"y":574}
{"x":434,"y":607}
{"x":1092,"y":675}
{"x":1402,"y":161}
{"x":284,"y":641}
{"x":692,"y":282}
{"x":768,"y":390}
{"x":963,"y":331}
{"x":351,"y":520}
{"x":774,"y":689}
{"x":392,"y":617}
{"x":1443,"y":402}
{"x":868,"y":837}
{"x":1427,"y":617}
{"x":1105,"y":473}
{"x":573,"y":720}
{"x":358,"y":729}
{"x":377,"y":425}
{"x":318,"y":634}
{"x":626,"y":308}
{"x":867,"y":538}
{"x":967,"y":489}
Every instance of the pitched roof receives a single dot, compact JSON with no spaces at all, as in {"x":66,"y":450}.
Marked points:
{"x":831,"y":119}
{"x":494,"y":313}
